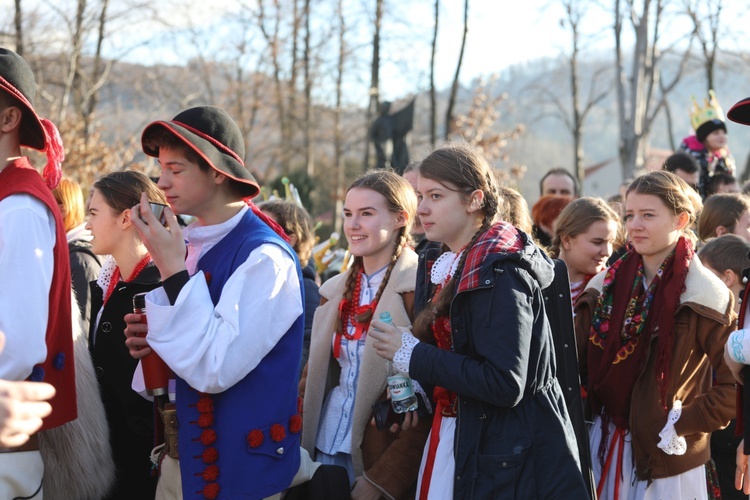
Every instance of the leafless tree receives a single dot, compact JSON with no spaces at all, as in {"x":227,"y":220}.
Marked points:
{"x":640,"y":94}
{"x":338,"y":158}
{"x":433,"y":99}
{"x":454,"y":86}
{"x":82,"y":82}
{"x":18,"y":22}
{"x":306,"y":61}
{"x":374,"y":104}
{"x":271,"y":30}
{"x":706,"y":18}
{"x":575,"y":120}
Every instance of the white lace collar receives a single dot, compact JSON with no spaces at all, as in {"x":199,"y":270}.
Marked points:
{"x":444,"y":267}
{"x":106,"y":273}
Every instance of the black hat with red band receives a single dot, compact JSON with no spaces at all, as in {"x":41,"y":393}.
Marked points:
{"x":740,"y":112}
{"x":215,"y":137}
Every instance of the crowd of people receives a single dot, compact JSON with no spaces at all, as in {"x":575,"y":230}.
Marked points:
{"x":583,"y":348}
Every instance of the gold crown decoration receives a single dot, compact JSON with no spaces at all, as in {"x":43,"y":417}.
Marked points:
{"x":710,"y":111}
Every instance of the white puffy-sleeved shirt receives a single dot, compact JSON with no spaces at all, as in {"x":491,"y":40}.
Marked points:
{"x":27,"y":242}
{"x":214,"y":347}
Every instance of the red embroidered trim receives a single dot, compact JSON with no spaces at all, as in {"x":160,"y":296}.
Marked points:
{"x":16,"y":93}
{"x":205,"y":405}
{"x":213,"y":141}
{"x":210,"y":455}
{"x":278,"y":433}
{"x":208,"y":437}
{"x":206,"y":420}
{"x":295,"y":424}
{"x":210,"y":491}
{"x":255,"y":438}
{"x":210,"y":473}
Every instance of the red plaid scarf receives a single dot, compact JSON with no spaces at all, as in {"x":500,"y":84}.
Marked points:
{"x":502,"y":237}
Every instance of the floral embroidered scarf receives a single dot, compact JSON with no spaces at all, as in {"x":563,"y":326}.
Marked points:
{"x":626,"y":317}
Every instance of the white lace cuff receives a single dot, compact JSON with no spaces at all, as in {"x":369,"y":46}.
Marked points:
{"x":403,"y":356}
{"x":739,"y":346}
{"x":670,"y":442}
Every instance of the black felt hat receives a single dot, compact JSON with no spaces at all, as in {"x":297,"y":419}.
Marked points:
{"x":740,"y":112}
{"x":212,"y":134}
{"x":17,"y":79}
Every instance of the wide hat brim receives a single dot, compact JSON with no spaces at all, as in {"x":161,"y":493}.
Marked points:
{"x":17,"y":79}
{"x":740,"y":112}
{"x":209,"y":132}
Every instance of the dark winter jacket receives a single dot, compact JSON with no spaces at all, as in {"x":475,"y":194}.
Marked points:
{"x":312,"y":300}
{"x":130,"y":416}
{"x":84,"y":268}
{"x":513,"y":434}
{"x":558,"y":307}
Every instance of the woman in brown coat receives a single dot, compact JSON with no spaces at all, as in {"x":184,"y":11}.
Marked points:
{"x":650,"y":328}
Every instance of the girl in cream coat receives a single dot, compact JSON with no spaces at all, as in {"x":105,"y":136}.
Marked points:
{"x":344,"y":376}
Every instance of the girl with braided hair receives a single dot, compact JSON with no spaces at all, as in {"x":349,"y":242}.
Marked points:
{"x":649,"y":330}
{"x":344,"y":376}
{"x":501,"y":428}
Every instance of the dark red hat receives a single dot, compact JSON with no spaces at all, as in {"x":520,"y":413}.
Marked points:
{"x":17,"y":79}
{"x":740,"y":112}
{"x":212,"y":134}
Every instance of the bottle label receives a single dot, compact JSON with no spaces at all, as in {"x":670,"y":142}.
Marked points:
{"x":402,"y":393}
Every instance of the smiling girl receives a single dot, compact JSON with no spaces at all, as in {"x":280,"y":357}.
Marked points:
{"x":649,"y":329}
{"x":129,"y":271}
{"x":501,"y":422}
{"x":344,"y":376}
{"x":584,"y":234}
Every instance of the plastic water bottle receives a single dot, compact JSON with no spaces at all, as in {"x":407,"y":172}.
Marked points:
{"x":403,"y":398}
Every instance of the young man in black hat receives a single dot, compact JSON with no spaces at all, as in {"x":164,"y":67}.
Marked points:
{"x":35,"y":299}
{"x":228,"y":320}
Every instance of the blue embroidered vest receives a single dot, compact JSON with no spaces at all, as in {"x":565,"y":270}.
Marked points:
{"x":245,"y":441}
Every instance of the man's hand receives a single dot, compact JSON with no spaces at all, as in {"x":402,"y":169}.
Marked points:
{"x":741,"y":481}
{"x":22,"y":407}
{"x":135,"y":333}
{"x":165,"y":244}
{"x":364,"y":490}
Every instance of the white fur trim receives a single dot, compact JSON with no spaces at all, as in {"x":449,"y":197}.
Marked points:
{"x":77,"y":455}
{"x":702,"y":287}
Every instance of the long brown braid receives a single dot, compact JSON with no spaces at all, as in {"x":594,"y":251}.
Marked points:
{"x":460,"y":168}
{"x":399,"y":197}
